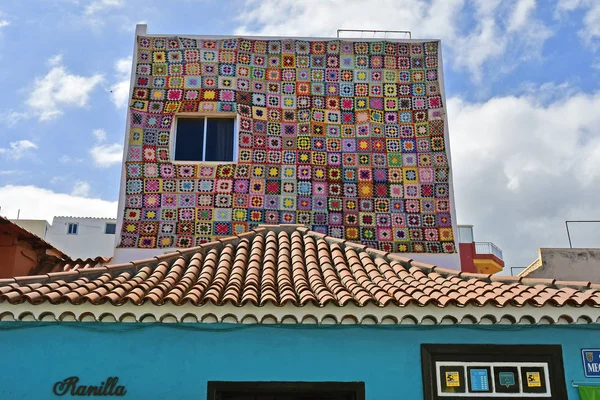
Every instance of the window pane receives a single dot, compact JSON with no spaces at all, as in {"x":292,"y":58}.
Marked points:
{"x":72,"y":229}
{"x":465,"y":234}
{"x":189,"y":141}
{"x":219,"y":139}
{"x":111,"y":229}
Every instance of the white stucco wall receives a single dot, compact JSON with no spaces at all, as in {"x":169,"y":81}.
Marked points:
{"x":90,"y":241}
{"x":38,"y":227}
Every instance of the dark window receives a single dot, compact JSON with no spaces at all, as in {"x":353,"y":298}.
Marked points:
{"x":205,"y":139}
{"x":219,"y":139}
{"x":72,"y":229}
{"x":189,"y":141}
{"x":110,"y":229}
{"x":286,"y":391}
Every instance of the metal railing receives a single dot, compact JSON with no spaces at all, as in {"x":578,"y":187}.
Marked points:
{"x":362,"y":31}
{"x":488,"y":248}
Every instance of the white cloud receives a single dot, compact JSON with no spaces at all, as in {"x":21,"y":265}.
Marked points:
{"x":525,"y":164}
{"x":323,"y":17}
{"x":38,"y":203}
{"x":100,"y":134}
{"x":107,"y":155}
{"x":483,"y":44}
{"x":520,"y":14}
{"x":57,"y":179}
{"x":55,"y":60}
{"x":81,"y":189}
{"x":506,"y":32}
{"x":100,"y":13}
{"x":65,"y":159}
{"x":592,"y":23}
{"x":500,"y":28}
{"x":590,"y":33}
{"x":12,"y":117}
{"x":568,"y":5}
{"x":4,"y":23}
{"x":546,"y":93}
{"x":102,"y":5}
{"x":18,"y":149}
{"x":58,"y":89}
{"x":119,"y":91}
{"x":123,"y":66}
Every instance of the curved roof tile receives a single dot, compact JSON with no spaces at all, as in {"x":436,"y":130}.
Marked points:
{"x":288,"y":264}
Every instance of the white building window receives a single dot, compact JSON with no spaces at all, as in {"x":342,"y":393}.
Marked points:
{"x":110,"y":228}
{"x":205,"y":139}
{"x":72,"y":228}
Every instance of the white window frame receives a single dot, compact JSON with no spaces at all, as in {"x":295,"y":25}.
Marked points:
{"x":106,"y":226}
{"x":76,"y":225}
{"x":206,"y":116}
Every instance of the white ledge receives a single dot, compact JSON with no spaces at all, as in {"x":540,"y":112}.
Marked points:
{"x":308,"y":314}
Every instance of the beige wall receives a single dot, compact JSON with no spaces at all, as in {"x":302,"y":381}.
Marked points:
{"x":566,"y":264}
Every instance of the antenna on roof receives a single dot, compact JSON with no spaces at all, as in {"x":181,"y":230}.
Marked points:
{"x":569,"y":233}
{"x":18,"y":213}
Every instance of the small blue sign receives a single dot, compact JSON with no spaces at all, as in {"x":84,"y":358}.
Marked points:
{"x":479,"y":380}
{"x":591,"y":362}
{"x":507,"y":379}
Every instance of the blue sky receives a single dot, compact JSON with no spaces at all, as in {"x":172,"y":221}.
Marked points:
{"x":522,"y":83}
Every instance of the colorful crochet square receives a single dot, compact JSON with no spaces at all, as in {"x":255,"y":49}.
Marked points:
{"x":345,"y":137}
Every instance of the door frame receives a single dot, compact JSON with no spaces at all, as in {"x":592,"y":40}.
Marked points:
{"x":216,"y":388}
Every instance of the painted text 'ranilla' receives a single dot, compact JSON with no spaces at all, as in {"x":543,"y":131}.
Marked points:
{"x":108,"y":388}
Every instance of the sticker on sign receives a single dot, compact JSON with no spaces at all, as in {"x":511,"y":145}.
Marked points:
{"x":533,"y":379}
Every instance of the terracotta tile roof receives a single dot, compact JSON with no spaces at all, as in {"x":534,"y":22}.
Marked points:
{"x":68,"y":264}
{"x":289,"y":265}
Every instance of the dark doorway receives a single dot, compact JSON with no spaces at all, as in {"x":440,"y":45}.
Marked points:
{"x":286,"y":391}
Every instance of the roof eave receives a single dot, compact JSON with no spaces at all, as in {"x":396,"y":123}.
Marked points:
{"x":309,"y":314}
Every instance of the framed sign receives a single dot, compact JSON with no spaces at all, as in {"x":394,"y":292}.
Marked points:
{"x":479,"y":379}
{"x":591,"y":362}
{"x":492,"y":372}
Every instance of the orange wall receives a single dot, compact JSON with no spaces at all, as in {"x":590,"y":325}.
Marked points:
{"x":7,"y":255}
{"x":26,"y":259}
{"x":16,"y":258}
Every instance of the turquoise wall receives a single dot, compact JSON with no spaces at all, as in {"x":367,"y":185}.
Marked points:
{"x":175,"y":362}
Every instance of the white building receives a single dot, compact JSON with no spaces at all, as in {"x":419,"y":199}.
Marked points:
{"x":38,"y":227}
{"x":78,"y":237}
{"x":83,"y":237}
